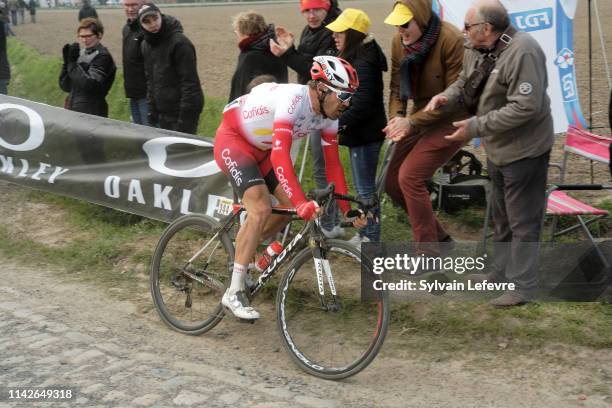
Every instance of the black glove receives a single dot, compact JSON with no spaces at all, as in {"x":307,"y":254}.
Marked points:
{"x":66,"y":53}
{"x":74,"y":52}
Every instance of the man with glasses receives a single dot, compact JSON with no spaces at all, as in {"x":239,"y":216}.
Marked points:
{"x":252,"y":148}
{"x":503,"y":85}
{"x":134,"y":79}
{"x":426,"y":58}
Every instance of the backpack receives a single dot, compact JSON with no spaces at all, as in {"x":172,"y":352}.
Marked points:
{"x":462,"y":184}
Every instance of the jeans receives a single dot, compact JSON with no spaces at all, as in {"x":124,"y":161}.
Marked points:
{"x":4,"y":86}
{"x":518,"y":202}
{"x":7,"y":29}
{"x":140,"y":111}
{"x":364,"y":161}
{"x":330,"y":219}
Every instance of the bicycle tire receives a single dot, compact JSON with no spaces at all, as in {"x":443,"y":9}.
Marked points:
{"x":183,"y":303}
{"x":314,"y":337}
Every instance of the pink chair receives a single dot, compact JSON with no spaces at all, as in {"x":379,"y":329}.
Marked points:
{"x":595,"y":148}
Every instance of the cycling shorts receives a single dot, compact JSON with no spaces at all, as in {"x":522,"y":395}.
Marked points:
{"x":243,"y":164}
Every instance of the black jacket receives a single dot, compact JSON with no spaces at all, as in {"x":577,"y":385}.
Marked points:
{"x":256,"y":59}
{"x":88,"y":80}
{"x":5,"y":68}
{"x":134,"y":79}
{"x":87,"y":11}
{"x":173,"y":85}
{"x":313,"y":42}
{"x":363,"y":122}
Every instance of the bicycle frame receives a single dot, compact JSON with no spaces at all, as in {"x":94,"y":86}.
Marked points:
{"x":276,"y":261}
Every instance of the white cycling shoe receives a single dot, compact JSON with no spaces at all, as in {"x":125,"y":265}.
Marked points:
{"x":238,"y":303}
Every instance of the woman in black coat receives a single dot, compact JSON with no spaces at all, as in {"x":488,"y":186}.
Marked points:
{"x":255,"y":58}
{"x":361,"y":125}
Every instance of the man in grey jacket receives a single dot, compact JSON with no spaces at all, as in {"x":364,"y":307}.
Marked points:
{"x":512,"y":116}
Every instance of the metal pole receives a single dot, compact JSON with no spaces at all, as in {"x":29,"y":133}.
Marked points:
{"x":590,"y":70}
{"x":302,"y":167}
{"x":603,"y":45}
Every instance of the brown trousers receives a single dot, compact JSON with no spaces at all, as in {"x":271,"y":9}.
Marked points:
{"x":414,"y":162}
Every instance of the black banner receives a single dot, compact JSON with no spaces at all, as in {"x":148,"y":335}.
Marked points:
{"x":142,"y":170}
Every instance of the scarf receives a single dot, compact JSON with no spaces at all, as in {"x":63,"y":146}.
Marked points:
{"x":415,"y":55}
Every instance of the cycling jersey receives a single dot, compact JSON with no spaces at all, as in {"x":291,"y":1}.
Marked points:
{"x":268,"y":120}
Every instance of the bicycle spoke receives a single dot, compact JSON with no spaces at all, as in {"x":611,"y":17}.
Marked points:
{"x":338,"y":339}
{"x":190,"y":270}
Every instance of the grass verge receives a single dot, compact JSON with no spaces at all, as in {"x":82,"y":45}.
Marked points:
{"x":113,"y":249}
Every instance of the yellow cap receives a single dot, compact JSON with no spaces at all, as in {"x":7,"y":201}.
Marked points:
{"x":399,"y":16}
{"x":351,"y":18}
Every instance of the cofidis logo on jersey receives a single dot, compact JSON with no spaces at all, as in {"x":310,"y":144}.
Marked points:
{"x":255,"y":111}
{"x":533,"y":20}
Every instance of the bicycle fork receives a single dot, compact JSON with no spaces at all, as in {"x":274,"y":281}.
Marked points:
{"x":322,"y":266}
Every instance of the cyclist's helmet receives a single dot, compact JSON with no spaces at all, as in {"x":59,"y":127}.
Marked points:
{"x":335,"y":72}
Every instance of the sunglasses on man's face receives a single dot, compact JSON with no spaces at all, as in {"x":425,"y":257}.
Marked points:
{"x":342,"y":96}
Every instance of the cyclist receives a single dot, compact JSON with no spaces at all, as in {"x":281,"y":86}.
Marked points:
{"x":252,"y":147}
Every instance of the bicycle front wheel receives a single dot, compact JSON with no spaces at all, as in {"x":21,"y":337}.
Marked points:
{"x":190,"y":271}
{"x":331,"y":337}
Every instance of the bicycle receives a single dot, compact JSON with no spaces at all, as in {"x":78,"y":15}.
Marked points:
{"x":326,"y":328}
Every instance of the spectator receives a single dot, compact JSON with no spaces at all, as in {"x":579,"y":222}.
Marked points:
{"x":88,"y":71}
{"x":21,"y":6}
{"x":13,"y":5}
{"x":426,"y":58}
{"x":363,"y":122}
{"x":87,"y":11}
{"x":5,"y":68}
{"x":512,"y":115}
{"x":32,"y":7}
{"x":88,"y":74}
{"x":314,"y":40}
{"x":5,"y":19}
{"x":174,"y":92}
{"x":255,"y":57}
{"x":134,"y":79}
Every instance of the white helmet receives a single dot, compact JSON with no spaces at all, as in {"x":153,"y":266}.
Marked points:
{"x":335,"y":72}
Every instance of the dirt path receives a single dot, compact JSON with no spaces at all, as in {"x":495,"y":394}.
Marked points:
{"x":55,"y":331}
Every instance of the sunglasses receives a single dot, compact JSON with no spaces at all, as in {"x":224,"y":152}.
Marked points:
{"x":343,"y":96}
{"x":405,"y":25}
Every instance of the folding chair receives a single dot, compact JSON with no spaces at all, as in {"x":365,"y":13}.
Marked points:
{"x":587,"y":145}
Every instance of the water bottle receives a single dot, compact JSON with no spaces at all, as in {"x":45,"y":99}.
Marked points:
{"x":269,"y":253}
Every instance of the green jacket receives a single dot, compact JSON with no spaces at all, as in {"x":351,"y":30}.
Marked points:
{"x":513,"y":116}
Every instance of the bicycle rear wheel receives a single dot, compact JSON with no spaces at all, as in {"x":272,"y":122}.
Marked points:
{"x":339,"y":339}
{"x":190,"y":271}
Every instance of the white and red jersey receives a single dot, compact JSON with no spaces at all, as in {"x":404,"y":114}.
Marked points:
{"x":271,"y":117}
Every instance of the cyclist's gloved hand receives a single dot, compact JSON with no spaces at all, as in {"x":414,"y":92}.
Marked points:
{"x":308,"y":210}
{"x":357,"y":217}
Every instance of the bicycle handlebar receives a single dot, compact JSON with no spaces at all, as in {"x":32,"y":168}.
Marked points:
{"x":365,"y":205}
{"x":321,"y":196}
